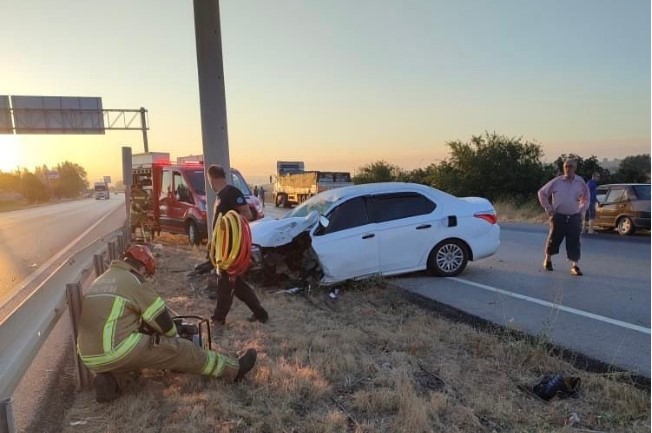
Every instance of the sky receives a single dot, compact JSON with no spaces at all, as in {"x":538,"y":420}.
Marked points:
{"x":338,"y":84}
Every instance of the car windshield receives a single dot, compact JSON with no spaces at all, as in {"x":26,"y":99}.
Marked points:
{"x":321,"y":203}
{"x":197,"y":181}
{"x":642,"y":192}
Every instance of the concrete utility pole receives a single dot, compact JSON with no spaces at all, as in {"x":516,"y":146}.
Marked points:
{"x":212,"y":95}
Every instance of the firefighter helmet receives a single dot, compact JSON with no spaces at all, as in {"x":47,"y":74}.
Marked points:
{"x":144,"y":256}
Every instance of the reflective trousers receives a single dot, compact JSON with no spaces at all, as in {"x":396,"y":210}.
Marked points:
{"x":173,"y":353}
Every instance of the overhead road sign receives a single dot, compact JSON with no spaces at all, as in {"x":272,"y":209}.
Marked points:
{"x":5,"y":115}
{"x":57,"y":115}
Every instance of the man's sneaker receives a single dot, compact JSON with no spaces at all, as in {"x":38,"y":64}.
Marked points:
{"x":547,"y":265}
{"x":575,"y":270}
{"x":246,"y":362}
{"x":106,"y":387}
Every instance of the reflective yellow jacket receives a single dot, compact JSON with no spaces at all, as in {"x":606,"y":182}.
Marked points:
{"x":114,"y":311}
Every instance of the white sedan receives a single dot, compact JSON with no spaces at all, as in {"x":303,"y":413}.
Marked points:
{"x":374,"y":229}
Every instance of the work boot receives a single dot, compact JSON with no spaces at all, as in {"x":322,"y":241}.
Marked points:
{"x":106,"y":387}
{"x":246,"y":362}
{"x":261,"y":317}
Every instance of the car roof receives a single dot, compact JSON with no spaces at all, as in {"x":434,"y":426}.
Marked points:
{"x":380,"y":188}
{"x":624,"y":184}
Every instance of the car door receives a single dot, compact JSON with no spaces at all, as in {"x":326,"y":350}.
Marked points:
{"x":404,"y":228}
{"x":348,"y":247}
{"x":614,"y":203}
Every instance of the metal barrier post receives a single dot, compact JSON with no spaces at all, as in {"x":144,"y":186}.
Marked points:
{"x":98,"y":264}
{"x":112,"y":253}
{"x":127,"y":235}
{"x":6,"y":417}
{"x":74,"y":295}
{"x":121,"y":244}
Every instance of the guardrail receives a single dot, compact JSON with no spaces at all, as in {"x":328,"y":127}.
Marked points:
{"x":36,"y":316}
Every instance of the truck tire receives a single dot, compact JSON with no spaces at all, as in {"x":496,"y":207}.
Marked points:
{"x":281,"y":200}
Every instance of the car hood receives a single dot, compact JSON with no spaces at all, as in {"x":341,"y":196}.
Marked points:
{"x":277,"y":232}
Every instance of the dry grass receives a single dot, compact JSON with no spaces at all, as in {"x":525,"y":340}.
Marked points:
{"x":512,"y":210}
{"x":369,"y":361}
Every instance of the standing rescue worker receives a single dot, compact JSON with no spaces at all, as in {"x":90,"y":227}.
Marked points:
{"x":125,"y":326}
{"x":138,"y":208}
{"x":231,"y":198}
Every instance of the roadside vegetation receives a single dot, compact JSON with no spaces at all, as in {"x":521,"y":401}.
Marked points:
{"x":500,"y":168}
{"x":370,"y":360}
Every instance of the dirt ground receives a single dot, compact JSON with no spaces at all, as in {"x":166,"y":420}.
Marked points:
{"x":370,"y":360}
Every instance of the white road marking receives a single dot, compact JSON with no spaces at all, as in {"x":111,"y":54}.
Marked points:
{"x":555,"y":306}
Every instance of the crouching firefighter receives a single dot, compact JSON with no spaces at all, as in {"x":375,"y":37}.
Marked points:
{"x":125,"y":326}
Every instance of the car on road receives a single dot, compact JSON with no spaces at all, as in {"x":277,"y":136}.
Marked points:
{"x":623,"y":206}
{"x":374,"y":229}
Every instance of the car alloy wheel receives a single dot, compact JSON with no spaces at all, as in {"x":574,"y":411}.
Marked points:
{"x":625,"y":226}
{"x":448,"y":258}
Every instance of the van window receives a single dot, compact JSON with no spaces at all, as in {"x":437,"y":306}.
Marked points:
{"x":238,"y":182}
{"x":166,"y":184}
{"x":197,"y":181}
{"x":181,"y":191}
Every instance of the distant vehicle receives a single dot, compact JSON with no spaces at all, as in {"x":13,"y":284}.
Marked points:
{"x":374,"y":229}
{"x":101,"y":191}
{"x":293,"y":185}
{"x":178,"y":195}
{"x":624,"y":206}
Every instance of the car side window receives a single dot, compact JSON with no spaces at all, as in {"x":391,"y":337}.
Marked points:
{"x":351,"y":213}
{"x":389,"y":207}
{"x":600,"y":195}
{"x":616,"y":195}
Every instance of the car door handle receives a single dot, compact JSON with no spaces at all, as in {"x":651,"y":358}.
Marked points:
{"x":369,"y":236}
{"x":424,"y":226}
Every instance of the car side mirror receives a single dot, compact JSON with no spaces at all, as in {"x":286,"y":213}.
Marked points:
{"x":323,"y":221}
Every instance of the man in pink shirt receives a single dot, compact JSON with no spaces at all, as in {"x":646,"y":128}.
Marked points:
{"x":565,"y":199}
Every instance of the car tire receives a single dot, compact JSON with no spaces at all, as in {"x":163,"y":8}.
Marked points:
{"x":625,"y":226}
{"x":193,"y":234}
{"x":448,"y":258}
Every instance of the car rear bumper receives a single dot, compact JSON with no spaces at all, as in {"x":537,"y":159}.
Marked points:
{"x":642,"y":223}
{"x":486,"y":244}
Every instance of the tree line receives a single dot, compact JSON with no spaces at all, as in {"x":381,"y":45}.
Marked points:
{"x":499,"y":167}
{"x":69,"y":182}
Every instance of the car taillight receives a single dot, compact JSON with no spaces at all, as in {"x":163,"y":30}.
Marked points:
{"x":490,"y":217}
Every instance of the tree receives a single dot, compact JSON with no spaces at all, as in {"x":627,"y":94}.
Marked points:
{"x":379,"y":171}
{"x":492,"y":166}
{"x":585,"y":167}
{"x":10,"y":182}
{"x":35,"y":189}
{"x":72,"y":180}
{"x":634,"y":169}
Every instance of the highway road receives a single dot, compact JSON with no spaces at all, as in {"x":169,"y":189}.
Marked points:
{"x":604,"y":314}
{"x":35,"y":240}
